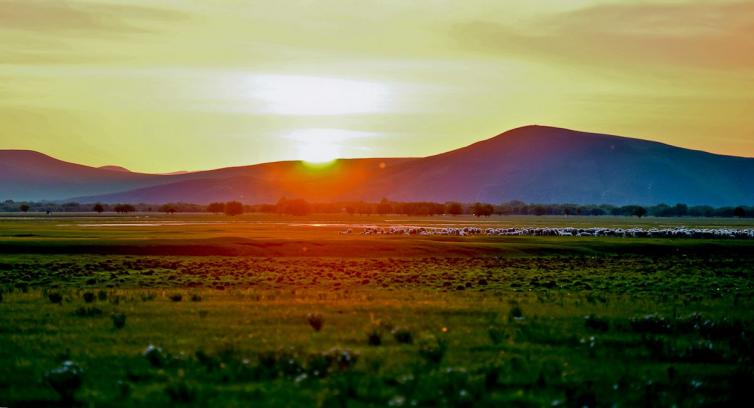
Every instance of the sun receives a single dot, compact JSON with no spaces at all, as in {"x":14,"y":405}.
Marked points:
{"x":318,"y":152}
{"x":319,"y":146}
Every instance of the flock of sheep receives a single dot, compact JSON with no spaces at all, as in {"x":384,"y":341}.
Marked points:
{"x":677,"y":232}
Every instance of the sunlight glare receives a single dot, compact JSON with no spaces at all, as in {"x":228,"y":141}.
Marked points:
{"x":311,"y":95}
{"x":322,"y":145}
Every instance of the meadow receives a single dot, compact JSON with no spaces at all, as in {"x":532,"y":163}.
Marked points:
{"x":267,"y":310}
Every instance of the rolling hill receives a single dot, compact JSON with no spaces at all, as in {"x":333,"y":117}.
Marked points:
{"x":533,"y":164}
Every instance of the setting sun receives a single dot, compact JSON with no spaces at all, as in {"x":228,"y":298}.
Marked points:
{"x":323,"y":145}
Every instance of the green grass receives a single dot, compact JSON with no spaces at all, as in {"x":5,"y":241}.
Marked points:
{"x":492,"y":321}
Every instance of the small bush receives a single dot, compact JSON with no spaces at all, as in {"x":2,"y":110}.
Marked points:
{"x":102,"y":295}
{"x":180,"y":392}
{"x":651,"y":323}
{"x":1,"y":297}
{"x":155,"y":356}
{"x":119,"y":320}
{"x":65,"y":380}
{"x":196,"y":297}
{"x":595,"y":323}
{"x":176,"y":297}
{"x":515,"y":313}
{"x":89,"y":297}
{"x":85,"y":311}
{"x":433,"y":349}
{"x":55,"y":297}
{"x":374,"y":337}
{"x":497,"y":334}
{"x":316,"y":321}
{"x":403,"y":335}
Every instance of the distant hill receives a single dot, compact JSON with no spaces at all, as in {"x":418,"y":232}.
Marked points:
{"x":533,"y":164}
{"x":115,"y":168}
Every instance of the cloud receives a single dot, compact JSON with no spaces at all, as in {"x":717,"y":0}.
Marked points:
{"x":697,"y":34}
{"x":80,"y":16}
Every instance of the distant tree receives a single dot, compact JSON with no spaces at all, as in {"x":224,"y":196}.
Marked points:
{"x":351,"y":210}
{"x":384,"y":207}
{"x":739,"y":212}
{"x":98,"y":208}
{"x":640,"y":211}
{"x":168,"y":208}
{"x":216,"y":208}
{"x":453,"y":208}
{"x":482,"y":210}
{"x":24,"y":208}
{"x":233,"y":208}
{"x":124,"y":208}
{"x":539,"y":210}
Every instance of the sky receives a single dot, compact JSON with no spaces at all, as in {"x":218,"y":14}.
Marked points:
{"x":169,"y":85}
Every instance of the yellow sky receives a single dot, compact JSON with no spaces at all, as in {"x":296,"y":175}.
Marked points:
{"x":170,"y":85}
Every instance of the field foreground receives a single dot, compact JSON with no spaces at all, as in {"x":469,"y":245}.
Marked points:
{"x":359,"y":321}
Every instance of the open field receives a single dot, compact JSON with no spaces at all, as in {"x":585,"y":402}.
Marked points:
{"x":232,"y":306}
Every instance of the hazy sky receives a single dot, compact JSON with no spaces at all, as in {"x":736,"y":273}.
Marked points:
{"x":180,"y":85}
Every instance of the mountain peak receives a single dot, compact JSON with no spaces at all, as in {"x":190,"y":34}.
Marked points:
{"x":115,"y":168}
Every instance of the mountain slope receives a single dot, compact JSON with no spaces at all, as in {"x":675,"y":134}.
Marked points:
{"x":553,"y":165}
{"x":533,"y":163}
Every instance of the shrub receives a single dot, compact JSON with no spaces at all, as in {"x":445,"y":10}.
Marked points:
{"x":403,"y":335}
{"x":88,"y":311}
{"x":65,"y":380}
{"x":196,"y":297}
{"x":497,"y":334}
{"x":119,"y":320}
{"x":595,"y":323}
{"x":316,"y":321}
{"x":651,"y":323}
{"x":1,"y":297}
{"x":374,"y":337}
{"x":515,"y":313}
{"x":55,"y":297}
{"x":433,"y":349}
{"x":102,"y":295}
{"x":176,"y":297}
{"x":180,"y":392}
{"x":155,"y":356}
{"x":88,"y":297}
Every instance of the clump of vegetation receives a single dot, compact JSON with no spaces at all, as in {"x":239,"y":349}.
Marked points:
{"x":180,"y":391}
{"x":55,"y":297}
{"x":119,"y":320}
{"x":651,"y":323}
{"x":374,"y":337}
{"x":155,"y":356}
{"x":497,"y":334}
{"x":515,"y":313}
{"x":196,"y":297}
{"x":86,"y":311}
{"x":147,"y":296}
{"x":65,"y":380}
{"x":102,"y":295}
{"x":316,"y":321}
{"x":176,"y":297}
{"x":88,"y":297}
{"x":596,"y":323}
{"x":433,"y":349}
{"x":403,"y":335}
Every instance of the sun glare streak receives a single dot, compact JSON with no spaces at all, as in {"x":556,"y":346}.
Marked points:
{"x":320,"y":146}
{"x":311,"y":95}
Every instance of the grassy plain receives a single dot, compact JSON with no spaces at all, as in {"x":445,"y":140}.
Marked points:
{"x":231,"y":306}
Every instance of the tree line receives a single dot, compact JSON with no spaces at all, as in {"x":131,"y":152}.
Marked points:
{"x":385,"y":207}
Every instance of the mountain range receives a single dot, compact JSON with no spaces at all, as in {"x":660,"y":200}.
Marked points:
{"x":537,"y":164}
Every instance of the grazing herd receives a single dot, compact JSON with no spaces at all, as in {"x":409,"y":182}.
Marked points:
{"x":676,"y":232}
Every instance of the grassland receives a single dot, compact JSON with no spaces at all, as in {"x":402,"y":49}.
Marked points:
{"x":231,"y":308}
